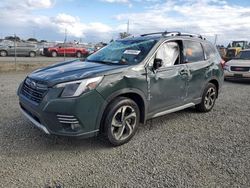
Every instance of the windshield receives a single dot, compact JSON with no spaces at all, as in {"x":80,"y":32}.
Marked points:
{"x":238,"y":44}
{"x":231,"y":53}
{"x":123,"y":52}
{"x":244,"y":55}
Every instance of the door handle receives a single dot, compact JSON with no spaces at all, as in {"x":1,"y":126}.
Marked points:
{"x":208,"y":67}
{"x":183,"y":72}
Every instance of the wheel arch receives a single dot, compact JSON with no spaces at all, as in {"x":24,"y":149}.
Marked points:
{"x":32,"y":51}
{"x":134,"y":94}
{"x":216,"y":83}
{"x":53,"y":50}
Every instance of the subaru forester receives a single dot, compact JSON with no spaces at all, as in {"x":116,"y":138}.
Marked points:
{"x":122,"y":85}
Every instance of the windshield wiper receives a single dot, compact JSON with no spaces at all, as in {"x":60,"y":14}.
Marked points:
{"x":101,"y":61}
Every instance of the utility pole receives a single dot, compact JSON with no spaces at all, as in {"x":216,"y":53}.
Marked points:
{"x":65,"y":39}
{"x":15,"y":51}
{"x":128,"y":27}
{"x":215,"y":39}
{"x":34,"y":32}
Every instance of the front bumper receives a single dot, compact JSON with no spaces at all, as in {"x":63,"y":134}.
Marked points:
{"x":36,"y":123}
{"x":86,"y":109}
{"x":236,"y":74}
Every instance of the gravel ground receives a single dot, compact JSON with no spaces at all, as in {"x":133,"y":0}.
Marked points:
{"x":183,"y":149}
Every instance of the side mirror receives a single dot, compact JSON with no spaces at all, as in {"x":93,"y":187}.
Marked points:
{"x":60,"y":47}
{"x":9,"y":46}
{"x":157,"y":63}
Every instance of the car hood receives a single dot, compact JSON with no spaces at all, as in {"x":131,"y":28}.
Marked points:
{"x":73,"y":70}
{"x":238,"y":62}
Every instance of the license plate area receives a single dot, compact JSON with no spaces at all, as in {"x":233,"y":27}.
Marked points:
{"x":238,"y":75}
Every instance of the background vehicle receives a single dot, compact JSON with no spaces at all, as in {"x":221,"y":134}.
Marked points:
{"x":222,"y":51}
{"x":239,"y":67}
{"x":21,"y":49}
{"x":67,"y":49}
{"x":122,"y":85}
{"x":234,"y":49}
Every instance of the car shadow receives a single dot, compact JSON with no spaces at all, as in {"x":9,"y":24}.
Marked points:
{"x":238,"y":81}
{"x":20,"y":136}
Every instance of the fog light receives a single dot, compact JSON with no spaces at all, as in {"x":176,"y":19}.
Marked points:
{"x":75,"y":126}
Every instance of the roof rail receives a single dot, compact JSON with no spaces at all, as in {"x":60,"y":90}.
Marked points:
{"x":192,"y":35}
{"x":156,"y":33}
{"x":174,"y":33}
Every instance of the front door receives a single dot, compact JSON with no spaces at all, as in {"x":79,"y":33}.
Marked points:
{"x":168,"y":84}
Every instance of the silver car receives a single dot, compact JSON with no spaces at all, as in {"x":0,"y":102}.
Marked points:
{"x":239,"y":67}
{"x":21,"y":49}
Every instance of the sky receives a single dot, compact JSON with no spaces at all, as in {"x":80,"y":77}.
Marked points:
{"x":103,"y":20}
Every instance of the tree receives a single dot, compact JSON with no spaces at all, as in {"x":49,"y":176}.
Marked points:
{"x":32,"y":40}
{"x":12,"y":38}
{"x":124,"y":35}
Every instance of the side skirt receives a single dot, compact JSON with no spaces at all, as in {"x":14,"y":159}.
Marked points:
{"x":173,"y":110}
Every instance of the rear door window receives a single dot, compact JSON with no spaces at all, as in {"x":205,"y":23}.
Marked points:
{"x":193,"y":52}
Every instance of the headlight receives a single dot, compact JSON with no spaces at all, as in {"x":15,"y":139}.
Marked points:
{"x":76,"y":88}
{"x":226,"y":67}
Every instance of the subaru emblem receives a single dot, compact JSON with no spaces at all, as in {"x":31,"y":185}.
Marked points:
{"x":33,"y":84}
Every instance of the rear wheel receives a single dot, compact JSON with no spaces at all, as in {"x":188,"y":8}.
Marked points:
{"x":32,"y":54}
{"x":208,"y":98}
{"x":54,"y":54}
{"x":78,"y":54}
{"x":122,"y":120}
{"x":3,"y":53}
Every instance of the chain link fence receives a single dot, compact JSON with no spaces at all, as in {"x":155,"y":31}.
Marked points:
{"x":16,"y":53}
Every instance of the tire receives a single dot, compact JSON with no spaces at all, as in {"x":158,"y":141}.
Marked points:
{"x":208,"y":98}
{"x":121,"y":121}
{"x":54,"y":54}
{"x":3,"y":53}
{"x":78,"y":54}
{"x":32,"y":54}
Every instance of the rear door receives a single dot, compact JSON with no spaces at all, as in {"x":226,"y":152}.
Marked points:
{"x":198,"y":66}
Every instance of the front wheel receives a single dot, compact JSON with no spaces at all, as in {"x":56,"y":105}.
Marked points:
{"x":78,"y":54}
{"x":122,"y":120}
{"x":3,"y":53}
{"x":208,"y":98}
{"x":32,"y":54}
{"x":54,"y":54}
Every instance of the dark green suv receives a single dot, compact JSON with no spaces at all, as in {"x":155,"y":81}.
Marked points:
{"x":122,"y":85}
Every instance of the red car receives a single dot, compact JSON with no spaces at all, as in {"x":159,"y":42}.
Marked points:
{"x":67,"y":49}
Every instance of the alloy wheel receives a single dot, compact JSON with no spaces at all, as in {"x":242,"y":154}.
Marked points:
{"x":123,"y":122}
{"x":210,"y":98}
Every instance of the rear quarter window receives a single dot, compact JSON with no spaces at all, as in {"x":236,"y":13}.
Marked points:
{"x":210,"y":52}
{"x":193,"y":52}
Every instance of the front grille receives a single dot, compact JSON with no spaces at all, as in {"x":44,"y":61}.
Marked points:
{"x":240,"y":69}
{"x":34,"y":90}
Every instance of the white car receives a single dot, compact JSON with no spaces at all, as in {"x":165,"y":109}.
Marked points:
{"x":239,"y":67}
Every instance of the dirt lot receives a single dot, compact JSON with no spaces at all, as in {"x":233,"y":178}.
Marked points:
{"x":8,"y":64}
{"x":183,"y":149}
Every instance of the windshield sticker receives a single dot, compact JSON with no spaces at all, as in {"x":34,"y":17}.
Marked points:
{"x":132,"y":52}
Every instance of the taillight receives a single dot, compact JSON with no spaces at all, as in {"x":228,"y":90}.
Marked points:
{"x":223,"y":63}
